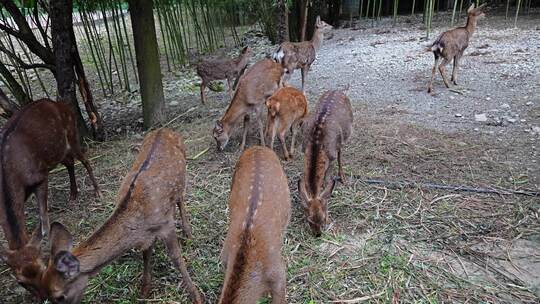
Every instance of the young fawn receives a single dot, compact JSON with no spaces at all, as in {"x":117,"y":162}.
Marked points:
{"x":286,"y":109}
{"x":259,"y":212}
{"x":451,"y":44}
{"x":145,"y":213}
{"x":325,"y":132}
{"x":258,"y":83}
{"x":34,"y":140}
{"x":211,"y":69}
{"x":300,"y":55}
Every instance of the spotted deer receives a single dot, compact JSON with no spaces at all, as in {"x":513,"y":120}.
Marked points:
{"x":258,"y":83}
{"x":34,"y":140}
{"x":259,"y":212}
{"x":287,"y":107}
{"x":145,"y":212}
{"x":210,"y":69}
{"x":300,"y":55}
{"x":451,"y":44}
{"x":326,"y":130}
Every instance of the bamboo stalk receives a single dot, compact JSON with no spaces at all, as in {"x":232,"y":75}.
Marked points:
{"x":517,"y":12}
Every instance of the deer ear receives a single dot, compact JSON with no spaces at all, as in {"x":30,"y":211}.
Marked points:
{"x":35,"y":241}
{"x":245,"y":49}
{"x":318,"y":20}
{"x":66,"y":264}
{"x":327,"y":192}
{"x":471,"y":8}
{"x":61,"y":239}
{"x":304,"y":196}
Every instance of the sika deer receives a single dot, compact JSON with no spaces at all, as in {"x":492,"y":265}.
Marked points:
{"x":325,"y":131}
{"x":286,"y":110}
{"x":145,"y":212}
{"x":300,"y":55}
{"x":451,"y":45}
{"x":34,"y":140}
{"x":259,"y":212}
{"x":211,"y":69}
{"x":259,"y":82}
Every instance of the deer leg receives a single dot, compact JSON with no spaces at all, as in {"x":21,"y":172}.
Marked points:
{"x":273,"y":127}
{"x":340,"y":165}
{"x":441,"y":70}
{"x":41,"y":196}
{"x":277,"y":286}
{"x":183,"y":217}
{"x":261,"y":127}
{"x":73,"y":191}
{"x":433,"y":71}
{"x":304,"y":71}
{"x":174,"y":250}
{"x":294,"y":130}
{"x":79,"y":155}
{"x":230,"y":90}
{"x":283,"y":144}
{"x":244,"y":135}
{"x":146,"y":279}
{"x":455,"y":69}
{"x":203,"y":96}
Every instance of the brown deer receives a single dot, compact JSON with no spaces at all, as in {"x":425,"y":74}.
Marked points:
{"x":258,"y":83}
{"x":286,"y":109}
{"x":451,"y":44}
{"x":300,"y":55}
{"x":145,"y":212}
{"x":259,"y":212}
{"x":210,"y":69}
{"x":325,"y":132}
{"x":34,"y":140}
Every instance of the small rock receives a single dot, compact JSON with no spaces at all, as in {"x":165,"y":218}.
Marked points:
{"x":536,"y":130}
{"x":529,"y":103}
{"x":481,"y":117}
{"x":174,"y":103}
{"x":458,"y":115}
{"x":505,"y":106}
{"x":488,"y":98}
{"x":511,"y":120}
{"x":476,"y":129}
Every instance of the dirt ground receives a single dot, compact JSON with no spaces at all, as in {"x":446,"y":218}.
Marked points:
{"x":385,"y":244}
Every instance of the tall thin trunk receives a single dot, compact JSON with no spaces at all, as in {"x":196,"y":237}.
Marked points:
{"x":146,"y":52}
{"x":283,"y":21}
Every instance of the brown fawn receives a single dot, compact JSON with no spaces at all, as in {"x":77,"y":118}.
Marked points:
{"x":451,"y":45}
{"x":300,"y":55}
{"x":258,"y":83}
{"x":34,"y":140}
{"x":210,"y":69}
{"x":286,"y":109}
{"x":325,"y":132}
{"x":145,"y":213}
{"x":259,"y":212}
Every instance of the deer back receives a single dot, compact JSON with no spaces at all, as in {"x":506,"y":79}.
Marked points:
{"x":259,"y":211}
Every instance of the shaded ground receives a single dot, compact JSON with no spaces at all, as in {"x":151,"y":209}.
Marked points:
{"x":384,"y":245}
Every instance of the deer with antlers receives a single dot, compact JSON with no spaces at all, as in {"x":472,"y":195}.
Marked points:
{"x":451,"y":44}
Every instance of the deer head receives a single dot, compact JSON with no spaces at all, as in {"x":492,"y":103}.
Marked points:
{"x":321,"y":25}
{"x":315,"y":207}
{"x":476,"y":13}
{"x":27,"y":265}
{"x":246,"y":51}
{"x":63,"y":281}
{"x":220,"y":135}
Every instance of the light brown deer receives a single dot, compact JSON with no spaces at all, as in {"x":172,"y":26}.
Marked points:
{"x":259,"y":212}
{"x":301,"y":55}
{"x":210,"y":69}
{"x":451,"y":44}
{"x":325,"y":132}
{"x":145,"y":213}
{"x":286,"y":110}
{"x":258,"y":83}
{"x":34,"y":140}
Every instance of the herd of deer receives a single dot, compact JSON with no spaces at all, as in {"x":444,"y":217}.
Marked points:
{"x":44,"y":134}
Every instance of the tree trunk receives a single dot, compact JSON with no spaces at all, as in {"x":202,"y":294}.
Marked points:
{"x":146,"y":52}
{"x":61,"y":27}
{"x":283,"y":21}
{"x":303,"y":19}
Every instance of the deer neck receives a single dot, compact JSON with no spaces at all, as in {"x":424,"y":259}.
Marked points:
{"x":471,"y":25}
{"x":241,"y":62}
{"x":104,"y":245}
{"x":235,"y":111}
{"x":317,"y":39}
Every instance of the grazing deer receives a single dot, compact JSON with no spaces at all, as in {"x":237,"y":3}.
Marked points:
{"x":325,"y":132}
{"x":259,"y":211}
{"x":451,"y":45}
{"x":145,"y":212}
{"x":34,"y":140}
{"x":300,"y":55}
{"x":286,"y":109}
{"x":211,"y":69}
{"x":258,"y":83}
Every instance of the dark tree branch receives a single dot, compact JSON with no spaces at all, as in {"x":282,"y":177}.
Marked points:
{"x":25,"y":65}
{"x":14,"y":87}
{"x":8,"y":107}
{"x":39,"y":26}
